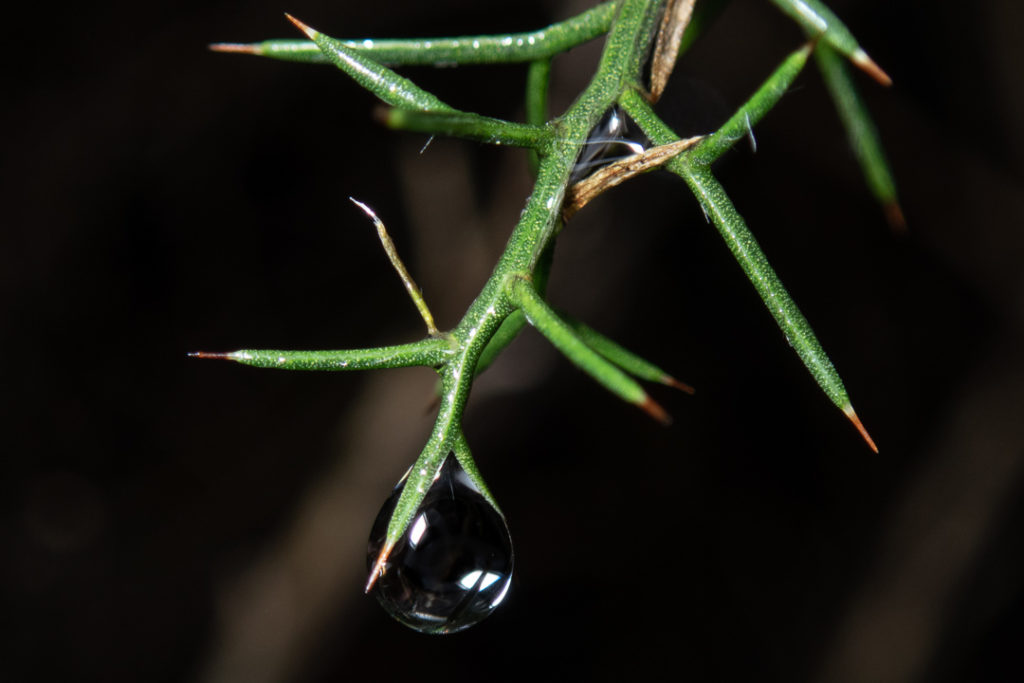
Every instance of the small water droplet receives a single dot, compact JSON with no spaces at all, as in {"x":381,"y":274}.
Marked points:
{"x":611,"y":139}
{"x":453,"y":565}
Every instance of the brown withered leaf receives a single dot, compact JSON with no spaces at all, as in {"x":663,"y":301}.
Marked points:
{"x":666,"y":48}
{"x":584,"y":191}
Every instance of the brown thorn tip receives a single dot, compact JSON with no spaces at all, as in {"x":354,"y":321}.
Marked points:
{"x":243,"y":48}
{"x":652,"y":408}
{"x":381,"y":114}
{"x":302,"y":27}
{"x":676,"y":384}
{"x":848,"y":411}
{"x":866,"y":64}
{"x":894,"y":216}
{"x":209,"y":354}
{"x":378,"y":567}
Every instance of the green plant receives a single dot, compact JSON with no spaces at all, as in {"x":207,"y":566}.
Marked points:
{"x":641,"y":34}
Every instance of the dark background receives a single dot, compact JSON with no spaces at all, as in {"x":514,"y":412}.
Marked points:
{"x":167,"y":519}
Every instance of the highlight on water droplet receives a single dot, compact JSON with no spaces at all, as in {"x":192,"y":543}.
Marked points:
{"x":452,"y":567}
{"x":611,"y":139}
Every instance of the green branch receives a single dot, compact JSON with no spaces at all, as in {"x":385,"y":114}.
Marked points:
{"x":746,"y":117}
{"x":820,"y":22}
{"x":514,"y":293}
{"x":426,"y":353}
{"x":861,"y":131}
{"x":470,"y":127}
{"x":693,"y":167}
{"x":507,"y":48}
{"x":565,"y":339}
{"x":623,"y":357}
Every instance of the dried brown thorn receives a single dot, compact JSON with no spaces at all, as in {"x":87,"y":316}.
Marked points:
{"x":652,"y":408}
{"x":220,"y":355}
{"x":584,"y":191}
{"x":676,"y":384}
{"x":666,"y":48}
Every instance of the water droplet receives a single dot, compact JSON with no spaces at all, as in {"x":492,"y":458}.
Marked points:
{"x":453,"y":565}
{"x":611,"y":139}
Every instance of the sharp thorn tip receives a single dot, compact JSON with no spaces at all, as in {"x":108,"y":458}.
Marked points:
{"x":849,"y":412}
{"x":676,"y":384}
{"x":652,"y":408}
{"x":209,"y":354}
{"x":378,"y":568}
{"x":301,"y":26}
{"x":868,"y":66}
{"x":894,"y":216}
{"x":240,"y":48}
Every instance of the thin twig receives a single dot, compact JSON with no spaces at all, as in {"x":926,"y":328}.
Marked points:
{"x":410,"y":285}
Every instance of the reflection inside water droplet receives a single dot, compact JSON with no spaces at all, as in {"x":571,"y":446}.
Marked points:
{"x":610,"y":140}
{"x":453,"y":565}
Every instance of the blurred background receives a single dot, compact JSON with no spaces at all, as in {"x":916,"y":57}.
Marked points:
{"x":168,"y":519}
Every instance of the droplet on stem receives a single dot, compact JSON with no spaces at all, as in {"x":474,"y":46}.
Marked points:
{"x":611,"y":139}
{"x":453,"y":565}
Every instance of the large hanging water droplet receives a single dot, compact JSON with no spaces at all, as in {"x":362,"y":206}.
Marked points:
{"x":453,"y":565}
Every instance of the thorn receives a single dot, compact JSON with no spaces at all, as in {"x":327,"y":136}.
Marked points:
{"x":243,"y":48}
{"x":868,"y":66}
{"x":580,"y":194}
{"x":676,"y":384}
{"x":378,"y":567}
{"x":310,"y":32}
{"x":210,"y":354}
{"x":894,"y":215}
{"x":652,"y":408}
{"x":848,"y":410}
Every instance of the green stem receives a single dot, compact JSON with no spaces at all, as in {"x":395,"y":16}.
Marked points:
{"x":563,"y":338}
{"x":431,"y":352}
{"x":819,"y":21}
{"x":507,"y":48}
{"x":515,"y":322}
{"x":393,"y":89}
{"x":620,"y":65}
{"x":460,"y":447}
{"x":740,"y":123}
{"x":860,"y":130}
{"x":471,"y":127}
{"x":621,"y":356}
{"x":538,"y":78}
{"x":744,"y":247}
